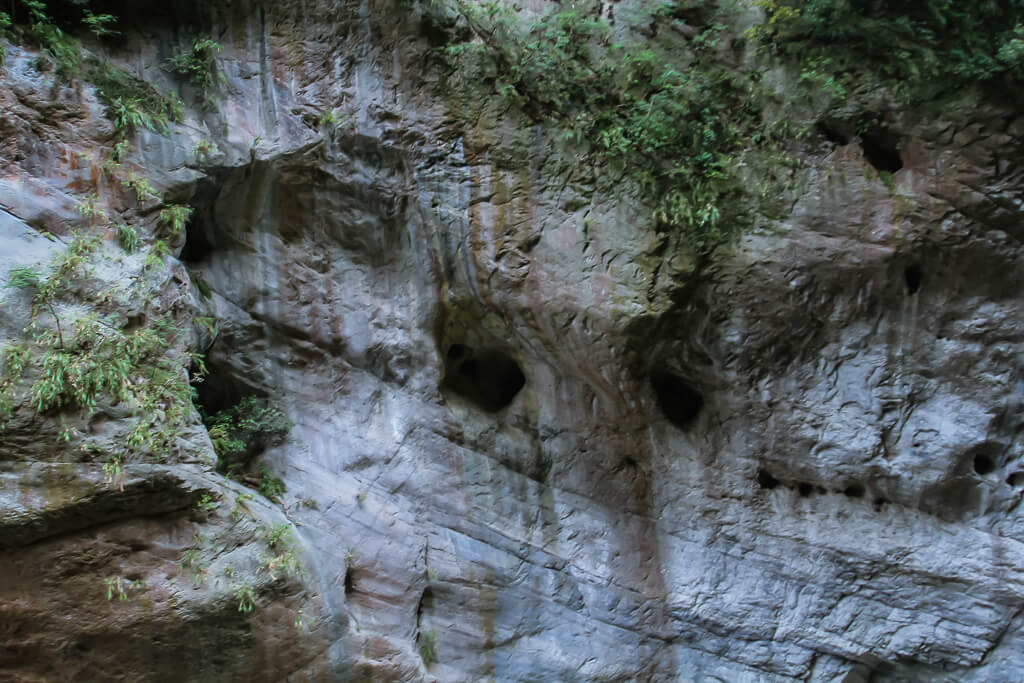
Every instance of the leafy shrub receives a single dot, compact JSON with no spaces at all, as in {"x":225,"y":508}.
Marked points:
{"x":270,"y":487}
{"x":676,"y":127}
{"x":127,"y":237}
{"x":244,"y":431}
{"x":175,"y":216}
{"x":5,"y":24}
{"x":277,"y":534}
{"x":198,"y":63}
{"x":119,"y":587}
{"x":910,"y":43}
{"x":130,"y":101}
{"x":56,"y":45}
{"x":246,"y":597}
{"x":90,"y":357}
{"x":99,"y":24}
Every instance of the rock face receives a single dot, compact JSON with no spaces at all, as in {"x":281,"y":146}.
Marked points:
{"x":528,"y":444}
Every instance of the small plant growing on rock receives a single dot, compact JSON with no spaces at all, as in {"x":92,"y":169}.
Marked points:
{"x":140,"y":185}
{"x":206,"y":503}
{"x":128,"y":116}
{"x":99,"y":24}
{"x":204,"y":149}
{"x":89,"y":208}
{"x":246,"y":597}
{"x":270,"y":487}
{"x":198,"y":63}
{"x":329,"y":119}
{"x":175,"y":217}
{"x":119,"y":587}
{"x":127,"y":237}
{"x":244,"y":431}
{"x":428,"y":641}
{"x":276,"y":535}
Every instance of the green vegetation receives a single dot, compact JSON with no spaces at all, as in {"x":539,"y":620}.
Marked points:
{"x":245,"y":430}
{"x":428,"y":643}
{"x":676,"y":123}
{"x":206,"y":503}
{"x":140,"y":185}
{"x":5,"y":25}
{"x":270,"y":487}
{"x":246,"y":597}
{"x":127,"y":237}
{"x":59,"y":50}
{"x":198,"y":63}
{"x":132,"y":102}
{"x":329,"y":119}
{"x":99,"y":24}
{"x":277,"y":535}
{"x":119,"y":587}
{"x":910,"y":44}
{"x":175,"y":217}
{"x":204,"y":149}
{"x":91,"y":355}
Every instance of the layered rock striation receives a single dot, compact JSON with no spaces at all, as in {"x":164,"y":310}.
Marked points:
{"x":530,"y":441}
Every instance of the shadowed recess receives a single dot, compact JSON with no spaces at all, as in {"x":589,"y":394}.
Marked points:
{"x":765,"y":479}
{"x":488,"y":378}
{"x":881,"y":151}
{"x":913,"y":275}
{"x":679,"y":401}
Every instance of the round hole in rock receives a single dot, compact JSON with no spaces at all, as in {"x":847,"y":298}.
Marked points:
{"x":1016,"y":479}
{"x":805,"y":489}
{"x":913,"y":275}
{"x":983,"y":463}
{"x":678,"y":400}
{"x":765,"y":479}
{"x":488,"y":378}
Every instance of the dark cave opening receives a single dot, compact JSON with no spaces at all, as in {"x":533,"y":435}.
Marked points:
{"x":1016,"y":479}
{"x":834,"y":133}
{"x":198,"y":245}
{"x":881,"y":150}
{"x":220,"y":390}
{"x":679,"y":401}
{"x":765,"y":479}
{"x":805,"y":489}
{"x":854,"y":491}
{"x":983,"y":464}
{"x":201,"y":229}
{"x":488,"y":378}
{"x":913,"y":275}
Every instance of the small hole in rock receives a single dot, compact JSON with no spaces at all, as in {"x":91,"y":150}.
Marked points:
{"x":627,"y":464}
{"x":835,"y":134}
{"x":879,"y":503}
{"x":350,"y":585}
{"x":487,"y":377}
{"x":880,"y":150}
{"x":765,"y":480}
{"x":678,"y":400}
{"x":983,"y":464}
{"x":805,"y":489}
{"x":854,"y":491}
{"x":913,"y":275}
{"x":1016,"y":479}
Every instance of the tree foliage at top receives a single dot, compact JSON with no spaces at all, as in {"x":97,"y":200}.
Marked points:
{"x":905,"y":41}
